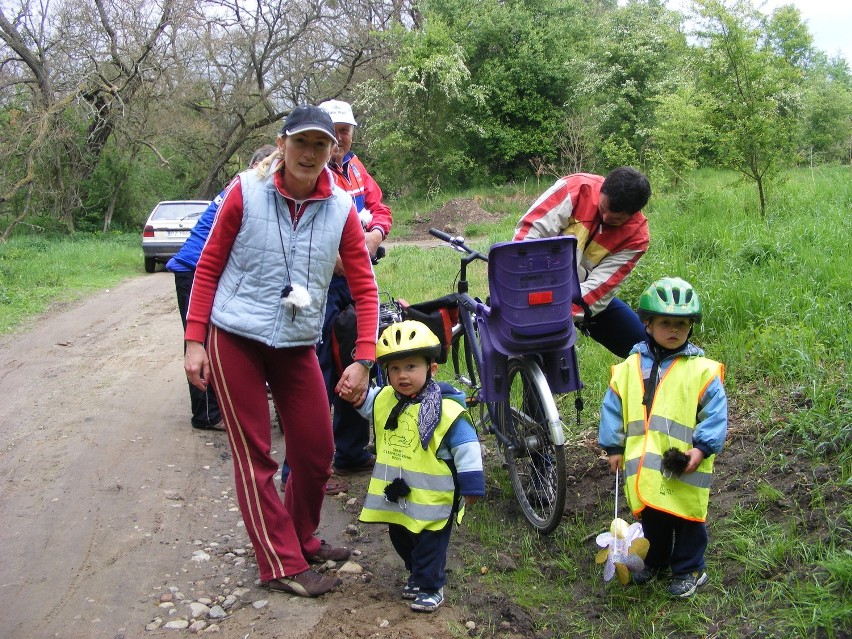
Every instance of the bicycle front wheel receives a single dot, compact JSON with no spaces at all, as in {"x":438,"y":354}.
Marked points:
{"x":536,"y":463}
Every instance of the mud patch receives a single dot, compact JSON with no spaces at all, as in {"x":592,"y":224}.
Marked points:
{"x":453,"y":217}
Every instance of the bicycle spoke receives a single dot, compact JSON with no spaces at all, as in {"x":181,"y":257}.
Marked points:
{"x":536,"y":466}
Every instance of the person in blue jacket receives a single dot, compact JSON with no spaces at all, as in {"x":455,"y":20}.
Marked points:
{"x":663,"y":419}
{"x":205,"y":408}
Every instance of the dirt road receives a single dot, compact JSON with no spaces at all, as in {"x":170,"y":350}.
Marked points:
{"x":117,"y":516}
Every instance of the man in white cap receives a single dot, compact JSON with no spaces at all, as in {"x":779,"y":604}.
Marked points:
{"x":351,"y":431}
{"x":351,"y":176}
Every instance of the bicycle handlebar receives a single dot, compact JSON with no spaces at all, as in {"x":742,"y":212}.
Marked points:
{"x":458,"y":244}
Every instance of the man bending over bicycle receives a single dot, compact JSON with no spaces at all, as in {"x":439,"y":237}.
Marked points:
{"x":612,"y":235}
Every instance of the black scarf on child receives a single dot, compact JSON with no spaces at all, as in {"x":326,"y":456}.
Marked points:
{"x":658,"y":354}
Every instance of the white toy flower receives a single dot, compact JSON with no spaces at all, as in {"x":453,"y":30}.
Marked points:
{"x":624,"y":550}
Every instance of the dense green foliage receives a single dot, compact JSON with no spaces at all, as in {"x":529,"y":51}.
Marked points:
{"x":448,"y":93}
{"x":565,"y":86}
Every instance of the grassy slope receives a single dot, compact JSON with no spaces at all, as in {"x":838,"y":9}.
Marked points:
{"x":777,"y":302}
{"x":36,"y":272}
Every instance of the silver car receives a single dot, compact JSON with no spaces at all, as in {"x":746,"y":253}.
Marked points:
{"x":167,"y":228}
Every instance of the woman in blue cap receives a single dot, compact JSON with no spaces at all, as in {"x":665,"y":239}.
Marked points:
{"x":259,"y":297}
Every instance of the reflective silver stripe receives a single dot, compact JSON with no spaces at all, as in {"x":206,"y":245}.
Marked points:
{"x":631,"y":467}
{"x":698,"y":479}
{"x":424,"y":481}
{"x":672,"y":429}
{"x":636,"y":429}
{"x":420,"y":512}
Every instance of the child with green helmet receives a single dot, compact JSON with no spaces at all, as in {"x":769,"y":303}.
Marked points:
{"x":428,"y":459}
{"x":663,"y":418}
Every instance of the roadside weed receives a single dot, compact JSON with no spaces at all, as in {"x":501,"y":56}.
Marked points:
{"x":36,"y":271}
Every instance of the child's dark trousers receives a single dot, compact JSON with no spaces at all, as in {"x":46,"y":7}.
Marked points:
{"x":424,"y":554}
{"x":675,"y":542}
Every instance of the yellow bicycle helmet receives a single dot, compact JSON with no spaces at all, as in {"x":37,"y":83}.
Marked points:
{"x":406,"y":338}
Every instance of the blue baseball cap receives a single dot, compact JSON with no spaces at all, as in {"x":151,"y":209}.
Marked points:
{"x":308,"y":118}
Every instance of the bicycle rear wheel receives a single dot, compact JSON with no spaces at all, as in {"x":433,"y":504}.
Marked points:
{"x":536,"y":463}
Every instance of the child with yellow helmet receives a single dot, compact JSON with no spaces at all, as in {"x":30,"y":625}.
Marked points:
{"x":428,"y":459}
{"x":663,"y":418}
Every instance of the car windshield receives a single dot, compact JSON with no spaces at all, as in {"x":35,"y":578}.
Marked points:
{"x":178,"y":210}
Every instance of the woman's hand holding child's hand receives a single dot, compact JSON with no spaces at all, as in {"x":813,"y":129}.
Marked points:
{"x":353,"y":384}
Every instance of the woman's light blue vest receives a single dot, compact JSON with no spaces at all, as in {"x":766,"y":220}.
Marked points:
{"x":248,"y":299}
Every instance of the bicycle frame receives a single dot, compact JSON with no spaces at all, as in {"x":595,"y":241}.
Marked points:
{"x":515,"y":387}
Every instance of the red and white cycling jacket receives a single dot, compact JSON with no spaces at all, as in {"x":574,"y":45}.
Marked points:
{"x":353,"y":178}
{"x":605,"y":254}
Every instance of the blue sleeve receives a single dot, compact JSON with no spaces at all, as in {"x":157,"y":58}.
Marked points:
{"x":712,"y":427}
{"x":461,"y":444}
{"x":611,"y":430}
{"x":448,"y":391}
{"x":366,"y":409}
{"x":187,"y":257}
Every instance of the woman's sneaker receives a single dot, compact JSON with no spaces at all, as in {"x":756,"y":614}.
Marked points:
{"x":305,"y":584}
{"x":684,"y":586}
{"x":327,"y":552}
{"x":428,"y":601}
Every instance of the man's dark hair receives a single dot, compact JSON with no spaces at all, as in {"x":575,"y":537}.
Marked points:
{"x":627,"y":189}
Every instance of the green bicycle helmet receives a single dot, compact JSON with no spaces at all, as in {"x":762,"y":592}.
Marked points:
{"x":406,"y":338}
{"x":670,"y":296}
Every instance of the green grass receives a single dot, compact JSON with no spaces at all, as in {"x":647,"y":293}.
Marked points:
{"x":777,"y":299}
{"x":36,"y":271}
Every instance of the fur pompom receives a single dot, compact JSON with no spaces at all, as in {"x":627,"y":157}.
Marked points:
{"x":298,"y":297}
{"x":674,"y":461}
{"x":396,"y":489}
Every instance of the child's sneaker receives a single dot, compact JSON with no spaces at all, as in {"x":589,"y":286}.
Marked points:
{"x":410,"y":591}
{"x":428,"y":601}
{"x":684,"y":586}
{"x":645,"y":575}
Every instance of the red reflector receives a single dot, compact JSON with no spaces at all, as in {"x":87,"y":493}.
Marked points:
{"x":148,"y":232}
{"x":542,"y":297}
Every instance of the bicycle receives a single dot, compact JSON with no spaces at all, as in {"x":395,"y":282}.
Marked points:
{"x":511,"y":353}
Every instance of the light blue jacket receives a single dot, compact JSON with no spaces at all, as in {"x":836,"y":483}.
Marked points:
{"x":270,"y":254}
{"x":712,"y":418}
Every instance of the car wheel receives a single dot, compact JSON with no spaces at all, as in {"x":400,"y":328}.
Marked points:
{"x":150,"y":264}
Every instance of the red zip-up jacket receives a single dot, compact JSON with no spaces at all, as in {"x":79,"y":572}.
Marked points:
{"x":353,"y":178}
{"x":605,"y":254}
{"x":352,"y":251}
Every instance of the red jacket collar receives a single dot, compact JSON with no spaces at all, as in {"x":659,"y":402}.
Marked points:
{"x":322,"y":191}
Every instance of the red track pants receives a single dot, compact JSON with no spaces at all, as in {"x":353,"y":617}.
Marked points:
{"x":282,"y":533}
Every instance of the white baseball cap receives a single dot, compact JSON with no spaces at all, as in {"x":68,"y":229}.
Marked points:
{"x":340,"y":111}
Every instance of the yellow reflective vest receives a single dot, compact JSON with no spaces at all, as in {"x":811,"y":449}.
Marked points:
{"x":670,"y":423}
{"x":399,"y":454}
